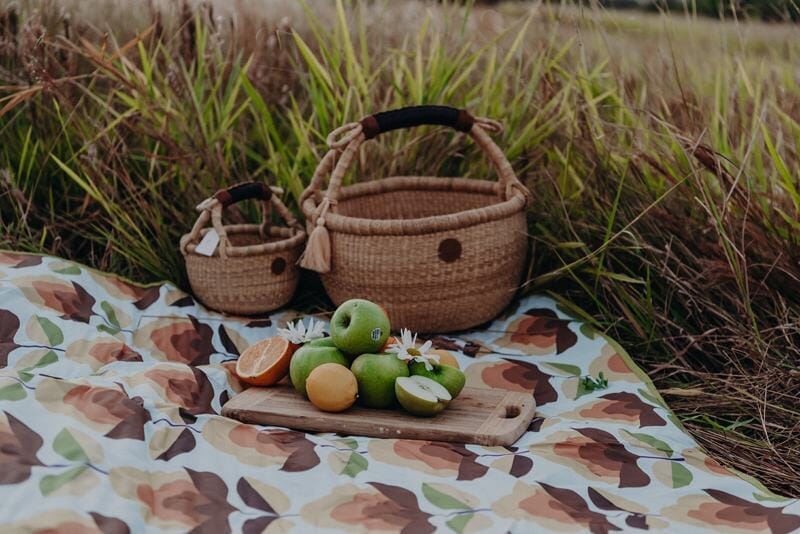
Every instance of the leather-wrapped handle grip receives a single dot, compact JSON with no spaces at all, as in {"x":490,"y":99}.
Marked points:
{"x":243,"y":191}
{"x":386,"y":121}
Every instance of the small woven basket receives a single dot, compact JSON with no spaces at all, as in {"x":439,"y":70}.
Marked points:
{"x":253,"y":270}
{"x":439,"y":254}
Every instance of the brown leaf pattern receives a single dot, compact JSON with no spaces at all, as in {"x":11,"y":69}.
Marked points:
{"x":183,"y":444}
{"x":595,"y":453}
{"x":406,"y":513}
{"x":539,"y":331}
{"x":18,"y":448}
{"x":213,"y":488}
{"x":447,"y":459}
{"x":106,"y":409}
{"x":70,"y":299}
{"x":289,"y":449}
{"x":552,"y":508}
{"x":575,"y":506}
{"x":722,"y":511}
{"x":741,"y":510}
{"x":514,"y":375}
{"x":109,"y":525}
{"x":141,"y":297}
{"x":114,"y":352}
{"x":621,"y":406}
{"x":101,"y":351}
{"x":185,"y":499}
{"x":187,"y":387}
{"x":19,"y":261}
{"x":377,"y":508}
{"x":251,"y":497}
{"x":468,"y":348}
{"x":120,"y":421}
{"x":520,"y":466}
{"x":184,"y":340}
{"x":9,"y":325}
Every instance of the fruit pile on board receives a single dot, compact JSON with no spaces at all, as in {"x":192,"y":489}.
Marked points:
{"x":360,"y":361}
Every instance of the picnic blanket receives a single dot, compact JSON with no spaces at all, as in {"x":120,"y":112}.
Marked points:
{"x":109,"y":402}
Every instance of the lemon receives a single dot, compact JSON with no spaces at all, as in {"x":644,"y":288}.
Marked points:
{"x":332,"y":387}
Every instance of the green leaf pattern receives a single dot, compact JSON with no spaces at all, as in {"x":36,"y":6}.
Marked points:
{"x":355,"y":464}
{"x":51,"y":483}
{"x":66,"y":445}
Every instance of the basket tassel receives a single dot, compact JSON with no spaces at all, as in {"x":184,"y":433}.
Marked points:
{"x":317,"y":256}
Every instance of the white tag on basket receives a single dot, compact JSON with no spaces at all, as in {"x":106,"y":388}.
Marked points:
{"x":208,"y":244}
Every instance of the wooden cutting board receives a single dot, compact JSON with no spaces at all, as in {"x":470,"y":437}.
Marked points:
{"x":478,"y":415}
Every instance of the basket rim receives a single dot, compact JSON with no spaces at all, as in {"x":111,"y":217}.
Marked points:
{"x":293,"y":238}
{"x":422,"y":225}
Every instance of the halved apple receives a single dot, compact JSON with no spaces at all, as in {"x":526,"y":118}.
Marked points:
{"x":421,"y":396}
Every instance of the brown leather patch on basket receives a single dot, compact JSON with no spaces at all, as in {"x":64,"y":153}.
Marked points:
{"x":224,"y":197}
{"x":465,"y":121}
{"x":370,"y":127}
{"x":278,"y":266}
{"x":449,"y":250}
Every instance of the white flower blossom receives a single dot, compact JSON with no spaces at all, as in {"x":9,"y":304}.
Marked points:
{"x":298,"y":334}
{"x":406,"y":349}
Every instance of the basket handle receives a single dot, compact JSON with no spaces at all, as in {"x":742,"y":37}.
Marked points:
{"x":346,"y":140}
{"x":396,"y":119}
{"x":355,"y":133}
{"x":212,"y":208}
{"x":243,"y":191}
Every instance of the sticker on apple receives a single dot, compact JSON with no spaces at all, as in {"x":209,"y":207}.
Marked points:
{"x":376,"y":334}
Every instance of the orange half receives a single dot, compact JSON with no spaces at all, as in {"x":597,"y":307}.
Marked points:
{"x":266,"y":362}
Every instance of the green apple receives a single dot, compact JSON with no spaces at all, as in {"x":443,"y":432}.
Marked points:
{"x":375,"y":374}
{"x":451,"y":378}
{"x":309,"y":357}
{"x":359,"y":326}
{"x":322,"y":342}
{"x":421,"y":396}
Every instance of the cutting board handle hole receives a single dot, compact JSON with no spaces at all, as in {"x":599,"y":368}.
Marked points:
{"x":512,"y":412}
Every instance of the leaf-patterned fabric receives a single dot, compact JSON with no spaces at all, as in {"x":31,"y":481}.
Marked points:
{"x":109,"y":402}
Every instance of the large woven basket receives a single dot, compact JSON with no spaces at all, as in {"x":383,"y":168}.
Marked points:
{"x":253,"y":270}
{"x":439,"y":254}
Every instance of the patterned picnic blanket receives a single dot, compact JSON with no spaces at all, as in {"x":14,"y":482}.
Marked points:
{"x":109,"y":395}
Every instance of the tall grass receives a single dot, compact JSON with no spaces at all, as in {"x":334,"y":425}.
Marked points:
{"x":663,"y":154}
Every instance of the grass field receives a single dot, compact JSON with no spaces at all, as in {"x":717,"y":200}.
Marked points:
{"x":663,"y":153}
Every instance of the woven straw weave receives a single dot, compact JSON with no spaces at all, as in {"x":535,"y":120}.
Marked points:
{"x":254,"y":267}
{"x":439,"y":254}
